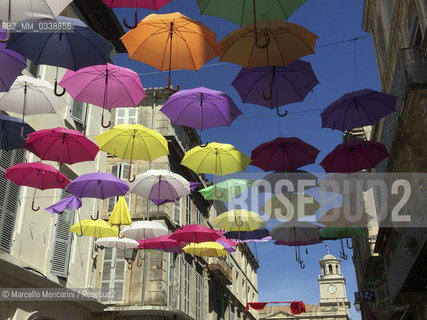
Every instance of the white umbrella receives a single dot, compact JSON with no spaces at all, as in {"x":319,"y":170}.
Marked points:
{"x":160,"y":184}
{"x":115,"y":242}
{"x":30,"y":96}
{"x":144,"y":230}
{"x":19,"y":10}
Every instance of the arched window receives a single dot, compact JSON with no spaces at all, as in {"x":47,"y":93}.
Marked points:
{"x":323,"y":270}
{"x":338,"y":269}
{"x":330,"y":269}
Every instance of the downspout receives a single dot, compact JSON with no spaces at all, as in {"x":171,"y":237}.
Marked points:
{"x":150,"y":165}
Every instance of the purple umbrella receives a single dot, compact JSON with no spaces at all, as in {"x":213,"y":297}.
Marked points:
{"x":11,"y":62}
{"x":358,"y":109}
{"x":283,"y":154}
{"x":97,"y":185}
{"x":201,"y":108}
{"x":288,"y":84}
{"x":73,"y":202}
{"x":354,"y":156}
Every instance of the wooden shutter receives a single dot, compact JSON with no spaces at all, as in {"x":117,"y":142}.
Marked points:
{"x":186,"y":288}
{"x":113,"y":274}
{"x":78,"y":111}
{"x":120,"y":171}
{"x":171,"y":280}
{"x":62,"y":241}
{"x":9,"y":197}
{"x":177,"y":211}
{"x":126,"y":115}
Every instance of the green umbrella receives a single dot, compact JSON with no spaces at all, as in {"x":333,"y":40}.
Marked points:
{"x":229,"y":189}
{"x":243,"y":12}
{"x":335,"y":233}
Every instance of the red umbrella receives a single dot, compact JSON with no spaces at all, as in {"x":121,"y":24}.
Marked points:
{"x":36,"y":175}
{"x":283,"y":154}
{"x":159,"y":243}
{"x":195,"y":233}
{"x":354,"y":156}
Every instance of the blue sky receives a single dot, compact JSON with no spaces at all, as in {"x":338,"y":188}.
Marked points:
{"x":338,"y":70}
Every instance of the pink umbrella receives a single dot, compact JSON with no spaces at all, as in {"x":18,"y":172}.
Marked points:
{"x":107,"y":86}
{"x":195,"y":233}
{"x":354,"y":156}
{"x":36,"y":175}
{"x":160,"y":243}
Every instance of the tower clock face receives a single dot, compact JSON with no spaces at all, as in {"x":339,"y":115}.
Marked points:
{"x":332,"y":289}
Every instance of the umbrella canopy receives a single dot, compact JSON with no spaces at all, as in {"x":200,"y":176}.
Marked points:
{"x":297,"y":243}
{"x":171,"y":41}
{"x":70,"y":50}
{"x":159,"y":202}
{"x":12,"y":64}
{"x":260,"y":234}
{"x":230,"y":188}
{"x":120,"y":215}
{"x":33,"y":9}
{"x":288,"y":84}
{"x":290,"y":206}
{"x":160,"y":184}
{"x":144,"y":230}
{"x":73,"y":202}
{"x":107,"y":86}
{"x":10,"y":132}
{"x":239,"y":220}
{"x":160,"y":243}
{"x":133,"y":141}
{"x":358,"y":109}
{"x":94,"y":228}
{"x":345,"y":183}
{"x":293,"y":231}
{"x":283,"y":154}
{"x":201,"y":108}
{"x":61,"y":145}
{"x":277,"y":182}
{"x":206,"y":249}
{"x":345,"y":217}
{"x":195,"y":233}
{"x":354,"y":156}
{"x":335,"y":233}
{"x":115,"y":242}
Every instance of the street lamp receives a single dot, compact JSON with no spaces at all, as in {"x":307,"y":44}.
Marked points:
{"x":130,"y":255}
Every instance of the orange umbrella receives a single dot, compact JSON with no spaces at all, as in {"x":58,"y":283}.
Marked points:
{"x":171,"y":41}
{"x":288,"y":42}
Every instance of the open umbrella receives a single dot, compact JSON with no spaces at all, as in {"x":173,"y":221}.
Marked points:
{"x":107,"y":86}
{"x":10,"y":132}
{"x":99,"y":186}
{"x":94,"y":228}
{"x":284,"y":182}
{"x":290,"y":206}
{"x":160,"y":243}
{"x":30,"y":96}
{"x":287,"y":85}
{"x":283,"y":154}
{"x":257,"y":235}
{"x":144,"y":230}
{"x":195,"y":233}
{"x":217,"y":159}
{"x":12,"y":65}
{"x":36,"y":175}
{"x":147,"y":4}
{"x":345,"y":183}
{"x":335,"y":233}
{"x":133,"y":141}
{"x":73,"y":202}
{"x":239,"y":220}
{"x":171,"y":41}
{"x":206,"y":249}
{"x":230,"y":189}
{"x":193,"y":186}
{"x":358,"y":109}
{"x":120,"y":215}
{"x":70,"y":50}
{"x":201,"y":108}
{"x":354,"y":156}
{"x":115,"y":242}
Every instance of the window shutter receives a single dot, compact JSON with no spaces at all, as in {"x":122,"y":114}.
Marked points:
{"x":120,"y":171}
{"x":171,"y":281}
{"x":78,"y":111}
{"x":186,"y":288}
{"x":9,"y":197}
{"x":32,"y":68}
{"x":113,"y":274}
{"x":177,"y":211}
{"x":120,"y":116}
{"x":62,"y":243}
{"x":126,"y":115}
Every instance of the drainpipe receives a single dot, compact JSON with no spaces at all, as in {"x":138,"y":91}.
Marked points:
{"x":150,"y":165}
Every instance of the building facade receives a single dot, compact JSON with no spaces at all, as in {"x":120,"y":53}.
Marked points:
{"x":333,"y":304}
{"x":390,"y":262}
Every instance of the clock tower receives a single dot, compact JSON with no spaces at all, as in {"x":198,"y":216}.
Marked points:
{"x":332,"y":283}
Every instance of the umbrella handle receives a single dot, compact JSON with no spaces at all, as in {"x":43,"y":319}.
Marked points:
{"x":342,"y":252}
{"x":170,"y":87}
{"x":159,"y":267}
{"x":134,"y":176}
{"x":138,"y":261}
{"x":58,"y":94}
{"x":206,"y":273}
{"x":218,"y":195}
{"x":96,"y":217}
{"x":81,"y":228}
{"x":130,"y":266}
{"x":238,"y":224}
{"x":241,"y":247}
{"x":348,"y":244}
{"x":32,"y":207}
{"x":135,"y":15}
{"x":267,"y":37}
{"x":204,"y":145}
{"x":281,"y":115}
{"x":301,"y":264}
{"x":24,"y":137}
{"x":102,"y":122}
{"x":7,"y":37}
{"x":269,"y":85}
{"x":57,"y":178}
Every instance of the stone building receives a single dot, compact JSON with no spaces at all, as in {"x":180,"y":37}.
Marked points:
{"x":392,"y":262}
{"x":333,"y":304}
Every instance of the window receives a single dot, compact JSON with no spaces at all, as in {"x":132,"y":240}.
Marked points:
{"x":199,"y":296}
{"x":171,"y":270}
{"x":119,"y":170}
{"x":9,"y":197}
{"x":177,"y":211}
{"x":126,"y":115}
{"x":188,"y":211}
{"x":330,"y":269}
{"x":179,"y":262}
{"x":113,"y":274}
{"x":198,"y":217}
{"x":62,"y":241}
{"x":78,"y":113}
{"x":186,"y":288}
{"x":32,"y":68}
{"x":231,"y":312}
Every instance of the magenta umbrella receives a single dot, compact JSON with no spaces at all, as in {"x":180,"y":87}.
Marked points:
{"x":36,"y":175}
{"x":147,"y":4}
{"x":160,"y":243}
{"x":283,"y":154}
{"x":195,"y":233}
{"x":107,"y":86}
{"x":354,"y":156}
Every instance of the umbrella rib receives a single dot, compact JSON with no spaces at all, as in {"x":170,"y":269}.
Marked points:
{"x":220,"y":111}
{"x":43,"y":46}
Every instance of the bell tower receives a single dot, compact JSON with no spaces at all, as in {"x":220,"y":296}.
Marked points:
{"x":332,"y":283}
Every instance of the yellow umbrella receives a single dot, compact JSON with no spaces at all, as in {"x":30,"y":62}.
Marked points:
{"x":239,"y":220}
{"x":205,"y":249}
{"x":94,"y":228}
{"x":120,"y":215}
{"x":133,"y":141}
{"x":217,"y":159}
{"x":290,"y":206}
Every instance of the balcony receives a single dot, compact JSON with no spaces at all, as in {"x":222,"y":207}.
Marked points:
{"x":221,"y":272}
